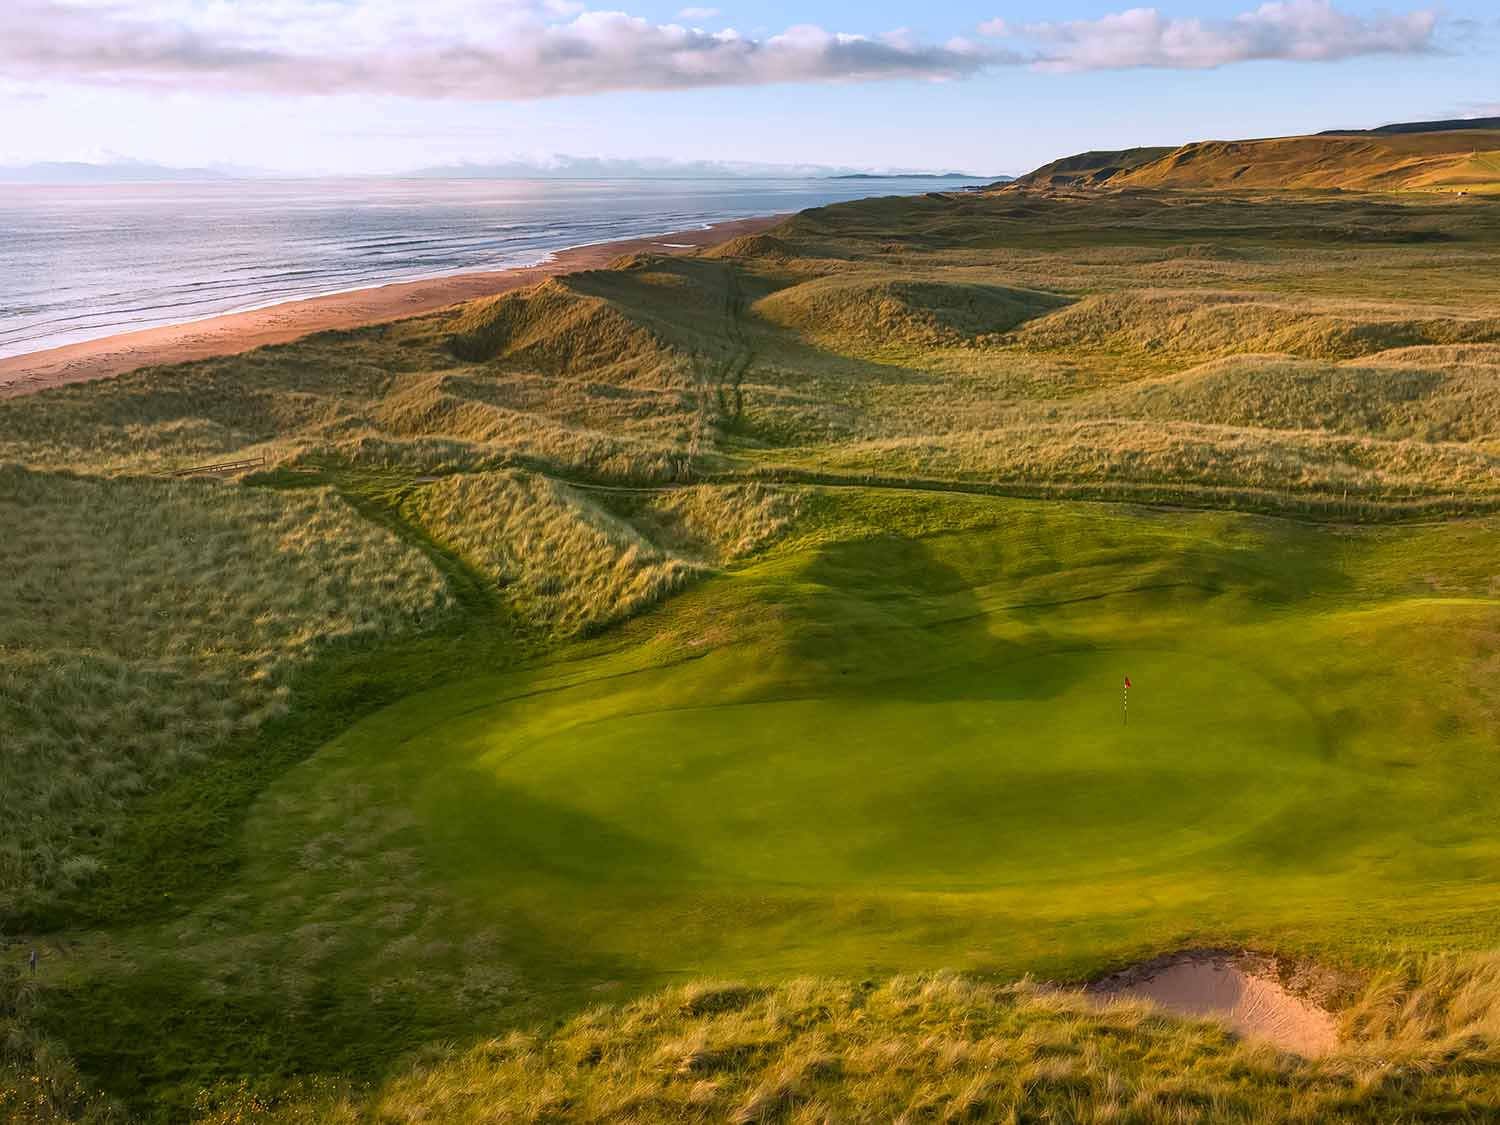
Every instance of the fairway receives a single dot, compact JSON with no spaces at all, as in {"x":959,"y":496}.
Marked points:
{"x":1021,"y":772}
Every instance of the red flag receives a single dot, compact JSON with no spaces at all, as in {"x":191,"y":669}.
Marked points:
{"x":1127,"y":681}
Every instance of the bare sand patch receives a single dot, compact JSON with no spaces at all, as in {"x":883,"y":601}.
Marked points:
{"x":1245,"y":991}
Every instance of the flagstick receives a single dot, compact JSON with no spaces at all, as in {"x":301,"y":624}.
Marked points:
{"x":1125,"y":702}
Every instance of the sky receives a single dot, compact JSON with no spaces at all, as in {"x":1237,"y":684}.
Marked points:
{"x":984,"y":86}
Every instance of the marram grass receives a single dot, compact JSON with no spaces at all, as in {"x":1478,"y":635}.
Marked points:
{"x":943,"y":1048}
{"x":145,"y":623}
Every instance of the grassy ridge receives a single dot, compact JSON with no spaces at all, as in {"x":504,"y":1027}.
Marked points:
{"x":571,"y":565}
{"x":1375,"y":161}
{"x":955,"y":326}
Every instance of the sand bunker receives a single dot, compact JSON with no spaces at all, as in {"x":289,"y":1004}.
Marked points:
{"x":1242,"y":990}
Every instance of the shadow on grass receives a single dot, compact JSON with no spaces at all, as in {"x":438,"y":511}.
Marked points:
{"x":888,"y":616}
{"x":157,"y":1036}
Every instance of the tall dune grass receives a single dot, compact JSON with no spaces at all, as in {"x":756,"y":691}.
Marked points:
{"x":1123,"y":453}
{"x":1427,"y":394}
{"x":1277,"y":349}
{"x":572,"y":565}
{"x":942,"y":1048}
{"x":145,"y":623}
{"x":39,"y":1084}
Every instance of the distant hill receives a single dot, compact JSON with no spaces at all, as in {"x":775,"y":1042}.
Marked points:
{"x":646,"y":168}
{"x":918,"y":176}
{"x":1455,"y":125}
{"x":1419,"y":156}
{"x":120,"y":172}
{"x":1090,"y":169}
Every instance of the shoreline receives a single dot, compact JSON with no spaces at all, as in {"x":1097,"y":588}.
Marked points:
{"x":283,"y":321}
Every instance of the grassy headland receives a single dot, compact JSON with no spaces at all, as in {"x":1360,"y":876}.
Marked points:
{"x":755,"y":615}
{"x":1453,"y":156}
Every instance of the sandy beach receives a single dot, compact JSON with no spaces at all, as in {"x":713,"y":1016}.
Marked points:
{"x":276,"y":324}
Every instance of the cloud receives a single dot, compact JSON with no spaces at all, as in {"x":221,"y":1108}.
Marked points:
{"x":523,"y":49}
{"x":697,"y":13}
{"x":1287,"y":30}
{"x":481,"y":49}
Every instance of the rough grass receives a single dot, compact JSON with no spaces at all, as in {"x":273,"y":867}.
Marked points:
{"x":554,"y":327}
{"x":1256,"y":465}
{"x":39,"y":1084}
{"x":1209,"y":324}
{"x":824,"y":762}
{"x":1429,"y":394}
{"x":571,"y":565}
{"x":935,"y":323}
{"x":1358,"y":163}
{"x":1428,"y":160}
{"x":935,"y":1048}
{"x":713,"y":523}
{"x":145,"y":623}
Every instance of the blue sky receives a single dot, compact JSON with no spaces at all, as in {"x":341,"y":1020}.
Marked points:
{"x":380,"y":85}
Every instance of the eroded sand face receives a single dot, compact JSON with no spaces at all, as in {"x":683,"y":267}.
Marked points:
{"x":1240,"y":990}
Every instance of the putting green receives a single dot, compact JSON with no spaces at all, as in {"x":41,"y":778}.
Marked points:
{"x":1024,"y":772}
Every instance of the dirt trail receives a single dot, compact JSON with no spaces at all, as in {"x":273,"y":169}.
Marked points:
{"x":1242,"y":990}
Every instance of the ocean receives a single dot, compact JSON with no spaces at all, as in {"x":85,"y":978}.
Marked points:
{"x":81,"y":262}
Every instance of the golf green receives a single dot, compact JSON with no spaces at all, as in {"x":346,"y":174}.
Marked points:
{"x":1023,"y":772}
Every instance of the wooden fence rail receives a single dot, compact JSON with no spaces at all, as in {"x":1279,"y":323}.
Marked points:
{"x":222,"y":467}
